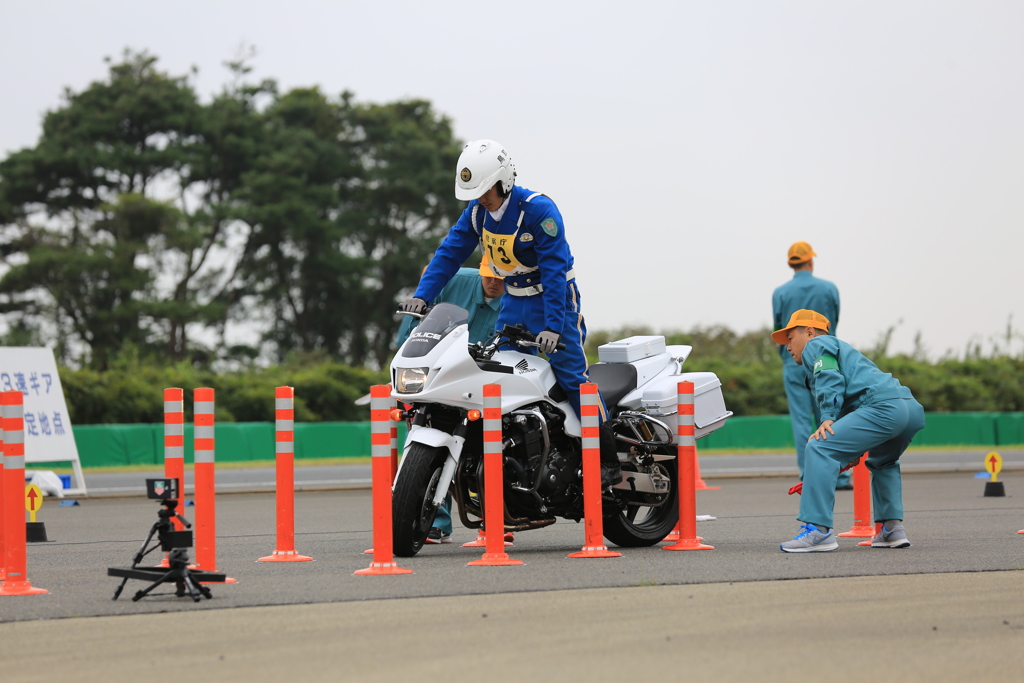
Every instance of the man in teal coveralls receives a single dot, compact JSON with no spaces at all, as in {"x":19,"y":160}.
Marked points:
{"x":479,"y":292}
{"x":862,"y":409}
{"x":803,"y":291}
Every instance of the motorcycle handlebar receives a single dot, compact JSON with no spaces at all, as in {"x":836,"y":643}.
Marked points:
{"x":421,"y":316}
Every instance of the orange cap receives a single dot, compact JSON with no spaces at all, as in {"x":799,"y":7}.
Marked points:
{"x":800,"y":252}
{"x":485,"y":268}
{"x":802,"y":318}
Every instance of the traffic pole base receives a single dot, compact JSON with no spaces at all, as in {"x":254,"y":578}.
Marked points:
{"x":865,"y":543}
{"x":1021,"y":531}
{"x":285,"y":556}
{"x":21,"y":588}
{"x":700,"y":485}
{"x":381,"y":569}
{"x":674,"y":535}
{"x":481,"y":542}
{"x":689,"y":544}
{"x":494,"y":560}
{"x":859,"y":532}
{"x":595,"y":551}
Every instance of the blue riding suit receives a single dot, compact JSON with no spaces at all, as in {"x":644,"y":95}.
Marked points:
{"x":527,"y":247}
{"x":803,"y":291}
{"x":464,"y":290}
{"x":873,"y":413}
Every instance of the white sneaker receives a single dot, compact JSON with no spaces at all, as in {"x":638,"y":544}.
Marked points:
{"x":810,"y":540}
{"x":895,"y":538}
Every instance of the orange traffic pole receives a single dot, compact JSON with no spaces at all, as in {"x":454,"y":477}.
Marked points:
{"x":205,"y":481}
{"x":494,"y":484}
{"x":592,"y":508}
{"x":394,"y":451}
{"x":862,"y":526}
{"x":3,"y":506}
{"x":284,"y":440}
{"x":16,"y":580}
{"x":174,"y":450}
{"x":686,"y":446}
{"x":174,"y":444}
{"x":380,"y":450}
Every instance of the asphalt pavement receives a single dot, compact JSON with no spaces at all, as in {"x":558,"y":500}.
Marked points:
{"x":317,"y":477}
{"x":949,"y":607}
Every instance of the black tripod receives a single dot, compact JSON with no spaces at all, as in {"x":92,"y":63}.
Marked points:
{"x":178,"y":573}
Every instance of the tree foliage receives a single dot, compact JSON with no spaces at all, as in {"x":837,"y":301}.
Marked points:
{"x":750,"y":369}
{"x":146,"y":217}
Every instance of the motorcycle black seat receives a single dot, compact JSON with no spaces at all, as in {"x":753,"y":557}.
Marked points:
{"x":614,"y":380}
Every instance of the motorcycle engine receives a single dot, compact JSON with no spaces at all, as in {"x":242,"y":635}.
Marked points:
{"x":540,"y":461}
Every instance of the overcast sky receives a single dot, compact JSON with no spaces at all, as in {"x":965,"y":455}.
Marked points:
{"x":687,"y":144}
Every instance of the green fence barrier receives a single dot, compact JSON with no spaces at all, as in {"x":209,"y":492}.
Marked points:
{"x":119,"y":445}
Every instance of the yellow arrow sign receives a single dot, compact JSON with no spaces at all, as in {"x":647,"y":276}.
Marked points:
{"x":993,"y":464}
{"x":33,"y":500}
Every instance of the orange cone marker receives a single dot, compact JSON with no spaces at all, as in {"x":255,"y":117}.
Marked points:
{"x":862,"y":526}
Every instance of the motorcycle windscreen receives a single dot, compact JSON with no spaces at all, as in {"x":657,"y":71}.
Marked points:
{"x":442,"y":319}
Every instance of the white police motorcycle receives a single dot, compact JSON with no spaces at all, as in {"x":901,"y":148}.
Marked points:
{"x":440,"y":377}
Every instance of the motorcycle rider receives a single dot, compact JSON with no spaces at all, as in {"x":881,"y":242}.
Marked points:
{"x":862,"y":409}
{"x":523,"y":234}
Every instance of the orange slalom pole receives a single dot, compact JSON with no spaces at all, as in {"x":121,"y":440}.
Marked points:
{"x":862,"y":526}
{"x":16,"y":580}
{"x":494,"y":484}
{"x":3,"y":506}
{"x":686,"y":445}
{"x":380,"y":450}
{"x":394,"y":451}
{"x":174,"y":444}
{"x":592,"y":508}
{"x":284,"y":440}
{"x":205,"y":481}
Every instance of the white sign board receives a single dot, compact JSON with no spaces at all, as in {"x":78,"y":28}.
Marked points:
{"x":48,"y":434}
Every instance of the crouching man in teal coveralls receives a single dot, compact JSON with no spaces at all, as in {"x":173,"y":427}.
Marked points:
{"x":862,"y":409}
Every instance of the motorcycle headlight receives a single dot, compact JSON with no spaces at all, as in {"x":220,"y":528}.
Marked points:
{"x":411,"y":380}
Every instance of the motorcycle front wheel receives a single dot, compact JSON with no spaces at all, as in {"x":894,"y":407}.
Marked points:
{"x":638,"y":525}
{"x":412,"y":506}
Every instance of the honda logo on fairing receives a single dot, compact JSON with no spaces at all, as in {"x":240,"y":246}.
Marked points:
{"x":524,"y":367}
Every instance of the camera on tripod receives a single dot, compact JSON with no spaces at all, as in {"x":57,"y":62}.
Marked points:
{"x":176,"y":571}
{"x":166,"y":491}
{"x":162,"y":489}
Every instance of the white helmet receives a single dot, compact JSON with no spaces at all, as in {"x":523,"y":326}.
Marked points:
{"x":482,"y":164}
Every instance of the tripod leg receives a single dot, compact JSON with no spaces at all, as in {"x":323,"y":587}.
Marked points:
{"x":120,"y":588}
{"x":144,"y":592}
{"x":193,"y":588}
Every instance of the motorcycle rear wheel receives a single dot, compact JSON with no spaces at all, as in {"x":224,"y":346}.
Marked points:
{"x":412,"y":506}
{"x":639,"y":526}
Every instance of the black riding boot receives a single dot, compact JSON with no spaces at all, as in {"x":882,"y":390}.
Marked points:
{"x":611,"y":470}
